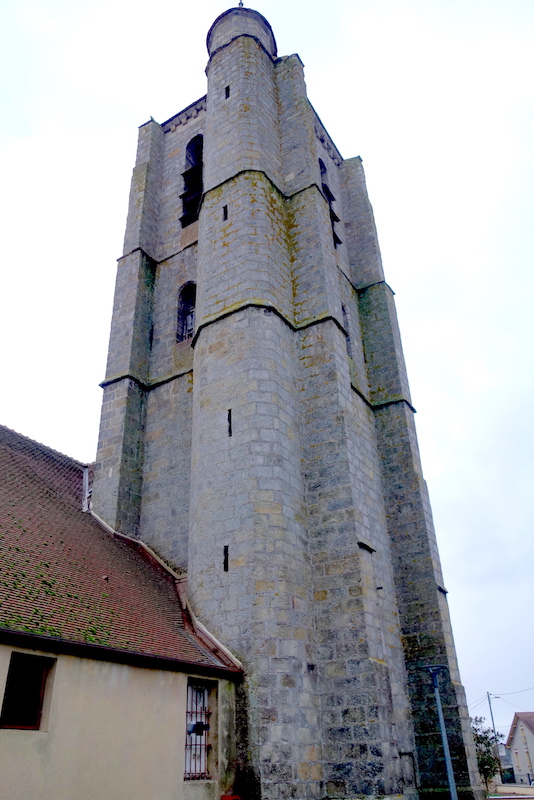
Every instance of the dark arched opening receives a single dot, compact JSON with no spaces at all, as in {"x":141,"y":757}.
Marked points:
{"x":192,"y":194}
{"x":186,"y":312}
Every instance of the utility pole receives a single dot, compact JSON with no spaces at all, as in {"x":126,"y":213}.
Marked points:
{"x":496,"y":746}
{"x":434,"y":672}
{"x":491,"y":713}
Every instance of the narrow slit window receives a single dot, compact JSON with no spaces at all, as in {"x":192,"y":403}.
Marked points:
{"x":227,"y":92}
{"x":197,"y":744}
{"x":225,"y":558}
{"x":186,"y":312}
{"x":24,"y":693}
{"x":347,"y":330}
{"x":225,"y":212}
{"x":229,"y":422}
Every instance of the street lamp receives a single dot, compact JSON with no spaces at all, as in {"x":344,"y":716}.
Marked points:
{"x":434,"y":670}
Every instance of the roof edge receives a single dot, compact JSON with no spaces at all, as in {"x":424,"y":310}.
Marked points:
{"x":208,"y":640}
{"x":12,"y":434}
{"x":526,"y":717}
{"x":98,"y":652}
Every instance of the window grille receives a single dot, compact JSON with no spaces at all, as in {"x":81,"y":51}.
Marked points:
{"x":197,"y":727}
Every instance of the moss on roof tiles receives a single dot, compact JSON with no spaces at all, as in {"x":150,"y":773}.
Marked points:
{"x":62,"y":575}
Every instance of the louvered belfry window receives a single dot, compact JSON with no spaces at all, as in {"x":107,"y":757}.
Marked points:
{"x":197,"y":733}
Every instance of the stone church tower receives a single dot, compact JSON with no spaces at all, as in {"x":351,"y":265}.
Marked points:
{"x":257,"y":432}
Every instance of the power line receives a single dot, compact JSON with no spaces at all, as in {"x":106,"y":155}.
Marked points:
{"x":513,"y":704}
{"x":520,"y":691}
{"x":476,"y":703}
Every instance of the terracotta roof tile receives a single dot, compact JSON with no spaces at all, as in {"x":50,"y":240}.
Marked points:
{"x":63,"y":575}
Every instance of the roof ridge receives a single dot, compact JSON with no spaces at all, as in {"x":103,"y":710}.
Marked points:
{"x":11,"y":433}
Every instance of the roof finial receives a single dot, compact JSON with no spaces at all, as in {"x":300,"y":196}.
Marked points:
{"x":240,"y":3}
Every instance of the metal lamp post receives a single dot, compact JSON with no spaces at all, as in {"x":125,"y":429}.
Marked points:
{"x":434,"y":670}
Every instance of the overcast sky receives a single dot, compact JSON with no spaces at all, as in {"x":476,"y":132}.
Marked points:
{"x":437,"y":97}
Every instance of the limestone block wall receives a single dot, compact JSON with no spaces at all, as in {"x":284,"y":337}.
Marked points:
{"x":249,"y":574}
{"x":313,"y":266}
{"x":153,"y":452}
{"x":364,"y":706}
{"x":143,"y":211}
{"x":164,"y":521}
{"x":386,"y":370}
{"x":424,"y":618}
{"x":423,"y":615}
{"x":359,"y":226}
{"x":296,"y":121}
{"x":274,"y":455}
{"x":353,"y":342}
{"x":243,"y":258}
{"x":117,"y":479}
{"x":239,"y":126}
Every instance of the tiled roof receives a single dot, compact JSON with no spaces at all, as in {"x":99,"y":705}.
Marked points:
{"x":62,"y":575}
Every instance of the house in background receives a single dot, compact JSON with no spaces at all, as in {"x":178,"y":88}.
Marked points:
{"x":109,"y":688}
{"x":520,"y":743}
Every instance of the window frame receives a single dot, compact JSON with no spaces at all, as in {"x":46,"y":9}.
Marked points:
{"x":19,"y":680}
{"x":185,"y":323}
{"x":201,"y":747}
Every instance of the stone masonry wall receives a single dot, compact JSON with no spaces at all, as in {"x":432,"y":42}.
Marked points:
{"x":117,"y":480}
{"x":244,"y":258}
{"x":423,"y":615}
{"x":247,"y":495}
{"x":360,"y":672}
{"x":274,"y":455}
{"x":239,"y":127}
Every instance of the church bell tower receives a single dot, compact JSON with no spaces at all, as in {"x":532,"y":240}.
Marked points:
{"x":257,"y":432}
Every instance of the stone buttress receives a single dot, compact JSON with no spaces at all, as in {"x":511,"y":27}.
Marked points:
{"x":270,"y":452}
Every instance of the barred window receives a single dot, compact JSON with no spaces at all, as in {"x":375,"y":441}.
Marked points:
{"x":197,"y":744}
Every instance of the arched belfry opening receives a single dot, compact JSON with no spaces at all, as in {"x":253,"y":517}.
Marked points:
{"x":193,"y":185}
{"x":186,"y":312}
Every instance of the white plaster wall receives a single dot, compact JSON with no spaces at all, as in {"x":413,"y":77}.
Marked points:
{"x":522,"y":750}
{"x":111,"y":732}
